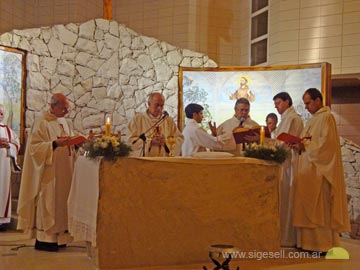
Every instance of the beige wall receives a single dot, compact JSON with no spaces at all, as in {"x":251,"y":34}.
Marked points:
{"x":208,"y":26}
{"x":21,"y":14}
{"x":217,"y":28}
{"x":310,"y":31}
{"x":348,"y":120}
{"x":300,"y":31}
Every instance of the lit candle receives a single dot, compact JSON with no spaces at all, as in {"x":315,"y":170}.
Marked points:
{"x":262,"y":135}
{"x":107,"y":127}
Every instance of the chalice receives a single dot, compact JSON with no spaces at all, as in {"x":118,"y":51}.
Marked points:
{"x":170,"y":142}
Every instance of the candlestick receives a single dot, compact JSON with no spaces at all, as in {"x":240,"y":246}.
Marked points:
{"x":107,"y":127}
{"x":262,"y":135}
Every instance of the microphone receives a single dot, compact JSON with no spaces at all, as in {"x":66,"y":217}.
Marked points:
{"x":143,"y":135}
{"x":242,"y":120}
{"x":165,"y":114}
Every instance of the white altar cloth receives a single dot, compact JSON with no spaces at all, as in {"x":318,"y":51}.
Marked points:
{"x":83,"y":200}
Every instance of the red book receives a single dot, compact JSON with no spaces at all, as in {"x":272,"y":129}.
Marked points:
{"x":286,"y":137}
{"x":240,"y":133}
{"x":76,"y":140}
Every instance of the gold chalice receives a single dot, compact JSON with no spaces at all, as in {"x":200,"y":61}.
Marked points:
{"x":170,"y":142}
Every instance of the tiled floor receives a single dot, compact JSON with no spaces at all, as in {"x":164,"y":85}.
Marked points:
{"x":17,"y":253}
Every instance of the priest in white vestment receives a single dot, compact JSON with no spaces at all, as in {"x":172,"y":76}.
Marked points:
{"x":46,"y":178}
{"x":153,"y":126}
{"x":292,"y":124}
{"x":241,"y":118}
{"x":196,"y":139}
{"x":320,"y":203}
{"x":9,"y":143}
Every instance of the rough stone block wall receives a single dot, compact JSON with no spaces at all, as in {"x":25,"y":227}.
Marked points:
{"x":104,"y":68}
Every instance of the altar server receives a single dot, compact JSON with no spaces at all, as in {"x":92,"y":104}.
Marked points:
{"x":9,"y":145}
{"x":292,"y":124}
{"x":196,"y":139}
{"x":46,"y":178}
{"x":320,"y":205}
{"x":271,"y":121}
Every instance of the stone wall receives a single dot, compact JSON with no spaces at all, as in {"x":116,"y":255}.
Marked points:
{"x":104,"y":68}
{"x":351,"y":161}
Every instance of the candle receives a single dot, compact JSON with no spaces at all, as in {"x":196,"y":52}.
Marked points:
{"x":262,"y":135}
{"x":107,"y":127}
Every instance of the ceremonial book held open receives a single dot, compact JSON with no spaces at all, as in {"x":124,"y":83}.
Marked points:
{"x":286,"y":137}
{"x":76,"y":140}
{"x":240,"y":133}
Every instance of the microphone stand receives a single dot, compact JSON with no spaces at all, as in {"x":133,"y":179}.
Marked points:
{"x":142,"y":136}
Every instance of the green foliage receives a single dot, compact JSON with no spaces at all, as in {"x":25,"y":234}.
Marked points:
{"x":110,"y":147}
{"x":194,"y":94}
{"x":10,"y":74}
{"x":277,"y":152}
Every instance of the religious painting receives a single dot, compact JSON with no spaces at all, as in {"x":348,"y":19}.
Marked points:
{"x":217,"y":89}
{"x":12,"y":88}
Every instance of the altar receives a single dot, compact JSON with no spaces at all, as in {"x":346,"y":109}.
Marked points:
{"x":169,"y":211}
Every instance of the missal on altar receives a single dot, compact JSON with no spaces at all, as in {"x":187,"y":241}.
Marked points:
{"x":240,"y":133}
{"x":288,"y":138}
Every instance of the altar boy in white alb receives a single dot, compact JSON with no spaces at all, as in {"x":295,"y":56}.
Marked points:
{"x":9,"y":143}
{"x":197,"y":139}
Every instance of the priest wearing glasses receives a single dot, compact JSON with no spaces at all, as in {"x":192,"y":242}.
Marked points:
{"x":149,"y":130}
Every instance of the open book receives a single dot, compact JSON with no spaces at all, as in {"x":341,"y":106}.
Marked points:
{"x":73,"y":140}
{"x":287,"y":138}
{"x":240,"y":133}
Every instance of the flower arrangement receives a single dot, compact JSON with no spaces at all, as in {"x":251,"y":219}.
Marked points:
{"x":110,"y":147}
{"x":275,"y":152}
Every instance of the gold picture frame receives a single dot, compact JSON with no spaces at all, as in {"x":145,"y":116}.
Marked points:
{"x":12,"y":88}
{"x":217,"y":89}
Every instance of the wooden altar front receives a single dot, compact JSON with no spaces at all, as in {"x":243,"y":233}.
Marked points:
{"x":169,"y":211}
